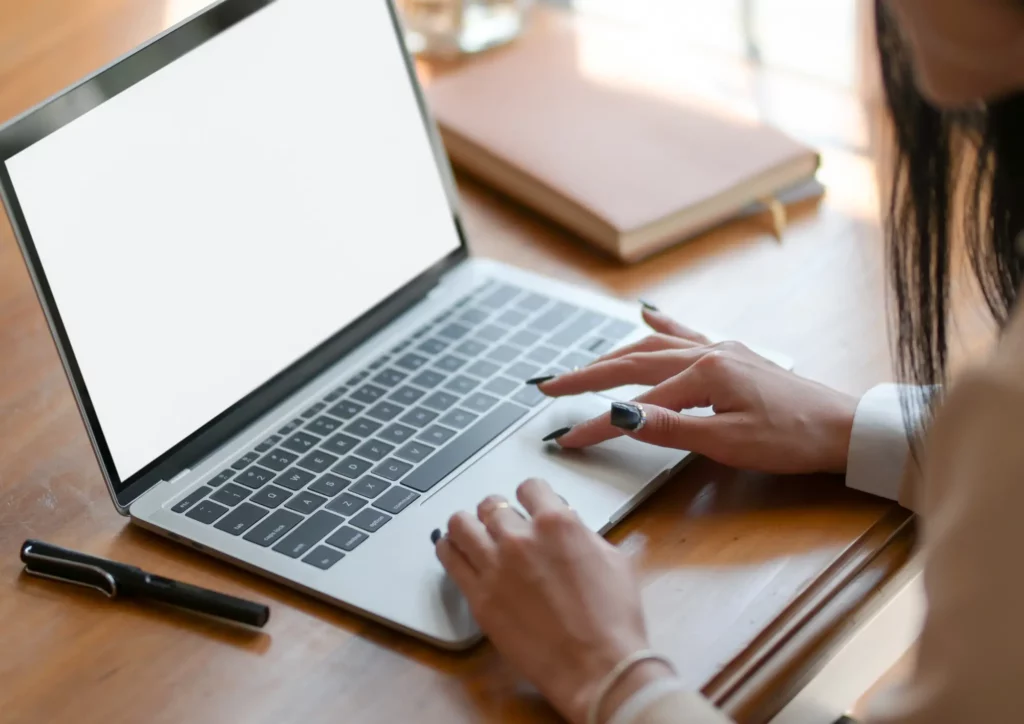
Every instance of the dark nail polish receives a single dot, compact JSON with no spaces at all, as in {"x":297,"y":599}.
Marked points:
{"x":557,"y":434}
{"x":648,"y":305}
{"x":540,"y":380}
{"x":626,"y":415}
{"x":435,"y":536}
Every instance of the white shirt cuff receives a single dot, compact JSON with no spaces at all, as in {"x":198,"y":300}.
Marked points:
{"x":878,"y":445}
{"x":643,"y":698}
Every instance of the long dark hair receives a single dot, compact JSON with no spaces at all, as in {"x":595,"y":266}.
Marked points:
{"x":957,"y":174}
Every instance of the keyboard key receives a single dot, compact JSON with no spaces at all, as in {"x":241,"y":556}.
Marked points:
{"x":461,"y":385}
{"x":397,"y":433}
{"x":222,"y":477}
{"x":440,"y":401}
{"x":502,"y":386}
{"x":379,"y":362}
{"x":351,"y":467}
{"x":512,"y":317}
{"x":401,"y":346}
{"x":389,"y":377}
{"x":278,"y":459}
{"x":385,"y":411}
{"x":458,"y":418}
{"x":572,"y":333}
{"x":294,"y":479}
{"x":480,"y":402}
{"x":362,"y":427}
{"x":532,"y":302}
{"x":396,"y":500}
{"x":346,"y":504}
{"x":346,"y":538}
{"x":357,"y":378}
{"x":529,"y":396}
{"x":206,"y":511}
{"x":300,"y":442}
{"x":552,"y":318}
{"x":317,"y":461}
{"x":617,"y":329}
{"x":231,"y":495}
{"x":323,"y":557}
{"x":329,"y":485}
{"x":305,"y":502}
{"x":523,"y":338}
{"x":369,"y":486}
{"x":412,"y":361}
{"x":436,"y":435}
{"x":245,"y":461}
{"x":501,"y":296}
{"x":273,"y":527}
{"x":454,"y":331}
{"x":483,"y":369}
{"x":504,"y":353}
{"x":442,"y":316}
{"x":542,"y":354}
{"x":392,"y":469}
{"x":421,"y":332}
{"x":191,"y":499}
{"x":311,"y":411}
{"x":268,"y":443}
{"x":471,"y":348}
{"x":271,"y":496}
{"x":418,"y":417}
{"x":374,"y":450}
{"x":522,"y":371}
{"x":406,"y":395}
{"x":346,"y":409}
{"x":307,"y":535}
{"x":414,"y":451}
{"x":576,"y":359}
{"x":428,"y":379}
{"x":432,"y":346}
{"x":241,"y":519}
{"x":368,"y":394}
{"x":290,"y":427}
{"x":450,"y":363}
{"x":491,"y":332}
{"x":323,"y":426}
{"x":437,"y":467}
{"x":340,"y":444}
{"x":473,"y":316}
{"x":336,"y":394}
{"x":598,"y":345}
{"x":370,"y":520}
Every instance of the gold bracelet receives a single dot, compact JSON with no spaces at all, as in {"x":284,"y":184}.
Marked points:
{"x":618,"y":671}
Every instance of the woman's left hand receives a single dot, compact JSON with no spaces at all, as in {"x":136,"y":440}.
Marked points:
{"x":558,"y":601}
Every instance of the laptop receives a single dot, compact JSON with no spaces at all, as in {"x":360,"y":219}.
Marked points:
{"x":245,"y":236}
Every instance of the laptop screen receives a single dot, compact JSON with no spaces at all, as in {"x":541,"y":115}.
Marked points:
{"x":207,"y":227}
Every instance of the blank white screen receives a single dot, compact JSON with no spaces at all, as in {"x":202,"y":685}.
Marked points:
{"x":210,"y":225}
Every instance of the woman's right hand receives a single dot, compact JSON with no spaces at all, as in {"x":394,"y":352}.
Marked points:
{"x":767,"y":418}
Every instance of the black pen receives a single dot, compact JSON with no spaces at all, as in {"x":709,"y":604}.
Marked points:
{"x":118,"y":579}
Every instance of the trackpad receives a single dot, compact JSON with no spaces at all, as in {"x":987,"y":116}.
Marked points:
{"x":596,"y":481}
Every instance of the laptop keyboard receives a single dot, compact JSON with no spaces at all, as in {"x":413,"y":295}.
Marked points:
{"x":338,"y":473}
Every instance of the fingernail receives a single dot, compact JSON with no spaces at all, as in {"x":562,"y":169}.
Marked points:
{"x":540,"y":380}
{"x":648,"y":305}
{"x":556,"y":434}
{"x":435,"y":536}
{"x":627,"y":416}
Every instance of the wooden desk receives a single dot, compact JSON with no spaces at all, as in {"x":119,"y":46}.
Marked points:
{"x":748,"y":579}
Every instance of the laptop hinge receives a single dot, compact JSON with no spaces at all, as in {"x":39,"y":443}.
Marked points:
{"x":177,"y":478}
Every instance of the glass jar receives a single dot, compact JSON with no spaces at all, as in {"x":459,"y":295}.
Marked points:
{"x":454,"y":27}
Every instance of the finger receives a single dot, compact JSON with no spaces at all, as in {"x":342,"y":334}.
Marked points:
{"x":537,"y":497}
{"x":640,"y":368}
{"x":666,"y":428}
{"x":650,"y":343}
{"x":499,"y":518}
{"x":457,"y":566}
{"x":661,"y":322}
{"x":468,"y":534}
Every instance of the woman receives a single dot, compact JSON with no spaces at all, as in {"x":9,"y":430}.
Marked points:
{"x":562,"y":605}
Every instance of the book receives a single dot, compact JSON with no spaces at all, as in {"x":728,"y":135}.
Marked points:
{"x":581,"y":120}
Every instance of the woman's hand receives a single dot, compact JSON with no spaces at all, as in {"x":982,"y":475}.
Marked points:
{"x":766,"y":418}
{"x":560,"y":603}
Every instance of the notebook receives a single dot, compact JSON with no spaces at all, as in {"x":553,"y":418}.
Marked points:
{"x":593,"y":126}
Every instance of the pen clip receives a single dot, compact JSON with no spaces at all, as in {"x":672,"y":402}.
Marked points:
{"x":66,"y":571}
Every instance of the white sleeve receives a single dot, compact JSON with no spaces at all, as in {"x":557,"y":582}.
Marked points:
{"x":878,"y":444}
